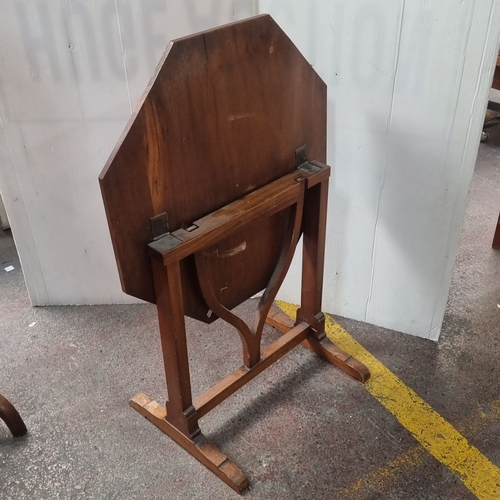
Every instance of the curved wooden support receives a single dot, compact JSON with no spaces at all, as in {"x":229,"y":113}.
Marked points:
{"x":12,"y":418}
{"x":324,"y":348}
{"x":284,"y":261}
{"x":251,"y":352}
{"x":200,"y":448}
{"x":251,"y":336}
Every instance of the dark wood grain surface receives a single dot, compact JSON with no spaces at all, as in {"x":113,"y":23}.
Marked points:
{"x":226,"y":151}
{"x":222,"y":116}
{"x":496,"y":237}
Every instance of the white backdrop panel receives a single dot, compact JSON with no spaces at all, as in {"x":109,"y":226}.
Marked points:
{"x":72,"y":71}
{"x":407,"y":90}
{"x":408,"y":83}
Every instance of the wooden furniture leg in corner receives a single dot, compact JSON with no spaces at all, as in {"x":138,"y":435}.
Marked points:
{"x":12,"y":418}
{"x":179,"y":418}
{"x":496,"y":238}
{"x":304,"y":194}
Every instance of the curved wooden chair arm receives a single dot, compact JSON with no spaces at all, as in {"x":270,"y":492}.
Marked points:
{"x":496,"y":238}
{"x":12,"y":418}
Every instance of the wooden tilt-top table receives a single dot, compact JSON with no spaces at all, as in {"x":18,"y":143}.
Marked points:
{"x":219,"y":172}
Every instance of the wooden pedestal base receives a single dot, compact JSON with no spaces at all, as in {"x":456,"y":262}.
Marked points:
{"x":201,"y":449}
{"x":323,"y":348}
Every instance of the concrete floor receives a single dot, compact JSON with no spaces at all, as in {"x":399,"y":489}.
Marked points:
{"x":302,"y":429}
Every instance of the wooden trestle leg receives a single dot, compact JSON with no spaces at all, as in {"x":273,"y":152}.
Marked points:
{"x":314,"y":232}
{"x":323,"y":348}
{"x":200,"y":448}
{"x":179,"y":419}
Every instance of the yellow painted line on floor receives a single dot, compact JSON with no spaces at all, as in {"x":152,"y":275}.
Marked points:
{"x":482,"y":418}
{"x":427,"y":426}
{"x":415,"y":457}
{"x":385,"y":475}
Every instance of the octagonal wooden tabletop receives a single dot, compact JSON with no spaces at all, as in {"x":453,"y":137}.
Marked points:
{"x":221,"y":117}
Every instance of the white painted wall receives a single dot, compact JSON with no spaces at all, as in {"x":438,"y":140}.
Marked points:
{"x":4,"y":221}
{"x":408,"y":83}
{"x":407,"y":89}
{"x":71,"y":72}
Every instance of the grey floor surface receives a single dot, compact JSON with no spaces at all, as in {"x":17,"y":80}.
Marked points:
{"x":303,"y":429}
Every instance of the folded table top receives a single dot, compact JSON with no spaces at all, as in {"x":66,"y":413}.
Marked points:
{"x":221,"y":117}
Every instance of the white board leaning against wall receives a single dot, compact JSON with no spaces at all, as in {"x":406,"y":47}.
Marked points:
{"x":72,"y":72}
{"x":407,"y":89}
{"x":4,"y":221}
{"x":408,"y":84}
